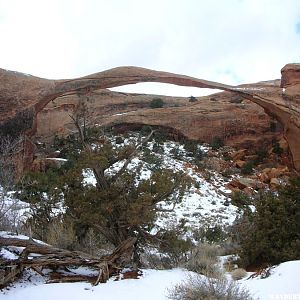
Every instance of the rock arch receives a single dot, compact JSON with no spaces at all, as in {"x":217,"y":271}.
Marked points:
{"x":22,"y":96}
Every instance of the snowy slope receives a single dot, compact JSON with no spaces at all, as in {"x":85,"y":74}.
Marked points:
{"x":283,"y":284}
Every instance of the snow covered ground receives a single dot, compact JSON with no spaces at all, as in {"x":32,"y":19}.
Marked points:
{"x":283,"y":284}
{"x":202,"y":205}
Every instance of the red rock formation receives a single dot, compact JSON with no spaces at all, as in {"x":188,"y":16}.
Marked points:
{"x":22,"y":96}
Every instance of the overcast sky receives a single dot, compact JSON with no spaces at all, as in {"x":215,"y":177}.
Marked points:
{"x":228,"y":41}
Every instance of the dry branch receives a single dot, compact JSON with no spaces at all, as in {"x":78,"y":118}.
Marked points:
{"x":38,"y":256}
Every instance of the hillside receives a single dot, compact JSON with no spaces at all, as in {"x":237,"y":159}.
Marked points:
{"x":206,"y":212}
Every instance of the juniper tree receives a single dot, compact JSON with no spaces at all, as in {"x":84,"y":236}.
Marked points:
{"x":121,"y":204}
{"x":271,"y":233}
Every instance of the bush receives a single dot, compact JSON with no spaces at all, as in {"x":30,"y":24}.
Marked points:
{"x":176,"y":152}
{"x":203,"y":260}
{"x":213,"y":234}
{"x":199,"y":288}
{"x":217,"y":143}
{"x":240,"y":199}
{"x":277,"y":149}
{"x":175,"y":247}
{"x":191,"y":147}
{"x":157,"y":148}
{"x":61,"y":234}
{"x":261,"y":155}
{"x":145,"y":130}
{"x":271,"y":234}
{"x":119,"y":140}
{"x":160,"y":136}
{"x":247,"y":168}
{"x":238,"y":274}
{"x":192,"y":99}
{"x":157,"y":103}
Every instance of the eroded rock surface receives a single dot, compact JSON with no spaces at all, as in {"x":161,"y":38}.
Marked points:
{"x":23,"y":96}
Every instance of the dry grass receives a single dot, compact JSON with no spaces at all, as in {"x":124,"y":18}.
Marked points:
{"x":60,"y":233}
{"x":200,"y":288}
{"x":238,"y":274}
{"x":204,"y":259}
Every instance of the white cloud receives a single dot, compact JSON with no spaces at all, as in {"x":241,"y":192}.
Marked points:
{"x":232,"y":41}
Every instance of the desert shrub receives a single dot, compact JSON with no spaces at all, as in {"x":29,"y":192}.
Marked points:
{"x":175,"y":247}
{"x":240,"y":199}
{"x":271,"y":233}
{"x":157,"y":261}
{"x":203,"y":259}
{"x":199,"y":288}
{"x":145,"y":130}
{"x":176,"y":152}
{"x":238,"y":274}
{"x":119,"y":140}
{"x":247,"y":168}
{"x":217,"y":143}
{"x":261,"y":155}
{"x":277,"y":149}
{"x":157,"y":148}
{"x":157,"y":103}
{"x":94,"y":243}
{"x":191,"y":147}
{"x":154,"y":162}
{"x":214,"y":234}
{"x":61,"y":233}
{"x":160,"y":136}
{"x":192,"y":99}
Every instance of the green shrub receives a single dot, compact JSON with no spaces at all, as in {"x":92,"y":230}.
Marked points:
{"x":213,"y":234}
{"x":157,"y":103}
{"x":240,"y":199}
{"x":277,"y":149}
{"x":191,"y":146}
{"x":247,"y":168}
{"x":157,"y":148}
{"x":271,"y":234}
{"x":119,"y":140}
{"x":261,"y":154}
{"x":176,"y":247}
{"x":192,"y":99}
{"x":145,"y":130}
{"x":217,"y":143}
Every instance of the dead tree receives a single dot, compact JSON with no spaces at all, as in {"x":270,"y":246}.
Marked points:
{"x":58,"y":260}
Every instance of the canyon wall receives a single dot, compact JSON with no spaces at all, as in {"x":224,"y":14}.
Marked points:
{"x":23,"y":96}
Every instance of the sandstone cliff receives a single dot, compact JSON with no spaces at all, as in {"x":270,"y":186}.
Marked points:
{"x":23,"y":96}
{"x":237,"y":121}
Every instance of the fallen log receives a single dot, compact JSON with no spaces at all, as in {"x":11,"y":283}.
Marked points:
{"x":38,"y":256}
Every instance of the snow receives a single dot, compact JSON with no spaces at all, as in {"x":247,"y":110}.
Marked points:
{"x":249,"y":88}
{"x":153,"y":285}
{"x":5,"y":254}
{"x":88,"y":177}
{"x":57,"y":159}
{"x":283,"y":283}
